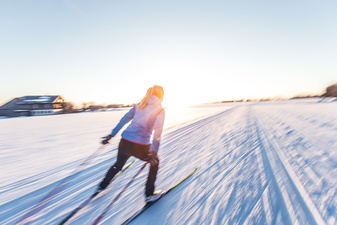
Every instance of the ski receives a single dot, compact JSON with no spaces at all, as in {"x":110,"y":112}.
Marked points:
{"x":87,"y":201}
{"x":100,"y":217}
{"x":148,"y":205}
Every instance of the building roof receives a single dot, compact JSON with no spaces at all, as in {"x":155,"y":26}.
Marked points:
{"x":37,"y":99}
{"x":33,"y":99}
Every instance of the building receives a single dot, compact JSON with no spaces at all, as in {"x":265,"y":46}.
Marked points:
{"x":32,"y":106}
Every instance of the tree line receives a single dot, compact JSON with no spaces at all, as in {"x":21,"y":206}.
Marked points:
{"x":69,"y":107}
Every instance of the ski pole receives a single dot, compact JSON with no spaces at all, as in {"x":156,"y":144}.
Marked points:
{"x":118,"y":196}
{"x":25,"y":219}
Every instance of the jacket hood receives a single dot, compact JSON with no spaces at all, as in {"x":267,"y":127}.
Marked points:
{"x":154,"y":100}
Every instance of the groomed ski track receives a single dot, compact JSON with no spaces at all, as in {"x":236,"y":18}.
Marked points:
{"x":254,"y":167}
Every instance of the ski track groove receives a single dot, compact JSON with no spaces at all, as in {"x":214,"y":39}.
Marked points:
{"x":318,"y":169}
{"x":308,"y":213}
{"x":293,"y":125}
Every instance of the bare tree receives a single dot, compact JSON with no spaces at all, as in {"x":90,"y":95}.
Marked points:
{"x":68,"y":107}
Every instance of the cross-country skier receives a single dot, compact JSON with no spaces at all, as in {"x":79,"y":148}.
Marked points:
{"x":145,"y":117}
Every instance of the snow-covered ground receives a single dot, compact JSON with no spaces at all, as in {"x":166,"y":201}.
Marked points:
{"x":258,"y":163}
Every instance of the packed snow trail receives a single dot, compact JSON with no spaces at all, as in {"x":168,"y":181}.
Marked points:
{"x":258,"y":163}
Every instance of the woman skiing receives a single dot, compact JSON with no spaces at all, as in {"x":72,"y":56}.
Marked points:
{"x":145,"y":117}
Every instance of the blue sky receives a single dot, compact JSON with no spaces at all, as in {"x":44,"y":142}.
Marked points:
{"x":199,"y":51}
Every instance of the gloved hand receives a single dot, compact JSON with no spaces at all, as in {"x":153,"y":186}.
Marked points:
{"x":106,"y":139}
{"x":152,"y":158}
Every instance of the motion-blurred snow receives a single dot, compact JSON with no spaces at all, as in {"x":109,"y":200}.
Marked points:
{"x":258,"y":163}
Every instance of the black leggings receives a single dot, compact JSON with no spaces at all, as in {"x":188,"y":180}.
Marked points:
{"x":126,"y":149}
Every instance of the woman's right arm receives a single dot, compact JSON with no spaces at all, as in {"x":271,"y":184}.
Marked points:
{"x":158,"y":129}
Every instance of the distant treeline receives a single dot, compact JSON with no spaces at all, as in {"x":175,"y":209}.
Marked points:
{"x":330,"y":91}
{"x":69,"y":107}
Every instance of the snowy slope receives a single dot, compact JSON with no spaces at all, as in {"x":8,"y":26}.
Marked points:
{"x":258,"y":163}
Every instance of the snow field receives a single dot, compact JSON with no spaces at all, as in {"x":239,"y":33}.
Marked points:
{"x":258,"y":163}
